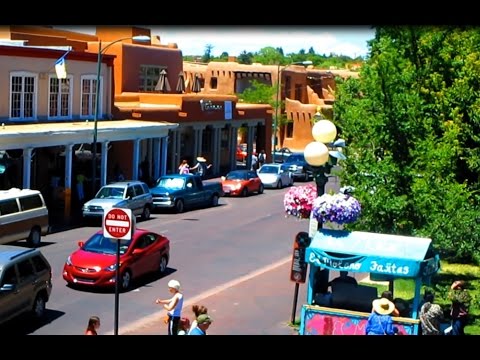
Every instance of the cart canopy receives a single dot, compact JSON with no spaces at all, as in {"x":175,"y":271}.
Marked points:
{"x":384,"y":254}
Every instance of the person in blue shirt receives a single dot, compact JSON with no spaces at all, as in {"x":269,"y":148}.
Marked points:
{"x":380,"y":321}
{"x":203,"y":323}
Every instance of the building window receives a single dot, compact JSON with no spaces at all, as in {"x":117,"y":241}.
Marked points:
{"x":213,"y":83}
{"x":59,"y":98}
{"x":289,"y":129}
{"x":89,"y":98}
{"x":23,"y":96}
{"x":288,"y":85}
{"x":149,"y":75}
{"x":298,"y":92}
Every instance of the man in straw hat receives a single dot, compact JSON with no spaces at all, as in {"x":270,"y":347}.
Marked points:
{"x":201,"y":166}
{"x":380,"y":321}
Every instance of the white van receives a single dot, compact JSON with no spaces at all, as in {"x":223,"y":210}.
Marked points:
{"x":23,"y":215}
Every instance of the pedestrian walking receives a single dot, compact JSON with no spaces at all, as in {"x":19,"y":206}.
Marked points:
{"x":93,"y":325}
{"x":201,"y":167}
{"x":174,"y":306}
{"x":203,"y":323}
{"x":81,"y":179}
{"x":262,"y":157}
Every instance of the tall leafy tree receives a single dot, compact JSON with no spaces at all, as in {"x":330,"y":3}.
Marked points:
{"x":411,"y":121}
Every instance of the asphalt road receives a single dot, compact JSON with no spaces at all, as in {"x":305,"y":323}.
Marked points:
{"x":209,"y":248}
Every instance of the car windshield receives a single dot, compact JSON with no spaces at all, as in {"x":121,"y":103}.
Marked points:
{"x":295,"y":158}
{"x":171,"y":183}
{"x":102,"y":245}
{"x":110,"y":193}
{"x":236,"y":175}
{"x":266,"y":169}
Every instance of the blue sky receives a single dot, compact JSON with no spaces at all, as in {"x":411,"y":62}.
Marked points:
{"x":342,"y":40}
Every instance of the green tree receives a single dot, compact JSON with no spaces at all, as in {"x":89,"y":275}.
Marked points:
{"x":245,"y":58}
{"x":412,"y":125}
{"x":207,"y":55}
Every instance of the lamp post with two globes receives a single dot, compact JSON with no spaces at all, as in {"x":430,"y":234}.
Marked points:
{"x":97,"y":102}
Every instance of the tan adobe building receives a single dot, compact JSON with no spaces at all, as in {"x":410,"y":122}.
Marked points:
{"x":301,"y":89}
{"x":157,"y":127}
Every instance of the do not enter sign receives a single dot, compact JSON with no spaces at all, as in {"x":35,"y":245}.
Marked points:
{"x":117,"y":223}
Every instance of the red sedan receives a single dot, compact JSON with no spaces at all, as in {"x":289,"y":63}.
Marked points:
{"x":242,"y":183}
{"x":94,"y":263}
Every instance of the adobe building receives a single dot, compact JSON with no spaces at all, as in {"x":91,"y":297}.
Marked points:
{"x":140,"y":126}
{"x":301,"y":91}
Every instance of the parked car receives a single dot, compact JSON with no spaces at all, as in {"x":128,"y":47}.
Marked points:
{"x":25,"y":282}
{"x":185,"y":191}
{"x":282,"y":154}
{"x":275,"y":175}
{"x":299,"y":167}
{"x":133,"y":194}
{"x":23,"y":215}
{"x":93,"y":264}
{"x":241,"y":153}
{"x":241,"y":183}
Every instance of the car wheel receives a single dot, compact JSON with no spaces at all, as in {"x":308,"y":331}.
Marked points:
{"x":279,"y":184}
{"x":215,"y":200}
{"x":146,"y":213}
{"x":35,"y":237}
{"x":245,"y":192}
{"x":126,"y":280}
{"x":39,"y":307}
{"x":179,"y":206}
{"x":163,"y":264}
{"x":260,"y":189}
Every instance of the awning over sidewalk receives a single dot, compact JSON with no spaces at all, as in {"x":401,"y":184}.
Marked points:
{"x":384,"y":254}
{"x":55,"y":134}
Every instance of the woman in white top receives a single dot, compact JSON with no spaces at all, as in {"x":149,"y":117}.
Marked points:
{"x":174,"y":306}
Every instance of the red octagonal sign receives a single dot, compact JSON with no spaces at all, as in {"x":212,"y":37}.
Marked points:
{"x":117,"y":223}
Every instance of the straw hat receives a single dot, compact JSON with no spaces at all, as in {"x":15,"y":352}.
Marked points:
{"x":383,"y":306}
{"x":201,"y":159}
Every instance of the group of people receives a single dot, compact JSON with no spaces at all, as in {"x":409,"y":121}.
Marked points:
{"x":178,"y":325}
{"x":200,"y":167}
{"x":380,"y":321}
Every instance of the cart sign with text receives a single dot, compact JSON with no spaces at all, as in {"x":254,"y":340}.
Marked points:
{"x":117,"y":224}
{"x":298,"y":272}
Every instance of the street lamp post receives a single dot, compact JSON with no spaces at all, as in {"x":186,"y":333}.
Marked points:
{"x":97,"y":101}
{"x":323,"y":153}
{"x":277,"y":104}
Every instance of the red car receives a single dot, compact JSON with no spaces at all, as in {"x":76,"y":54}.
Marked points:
{"x":94,"y":263}
{"x":242,"y":183}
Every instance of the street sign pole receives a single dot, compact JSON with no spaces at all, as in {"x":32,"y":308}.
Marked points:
{"x":298,"y":272}
{"x":118,"y":224}
{"x":117,"y":290}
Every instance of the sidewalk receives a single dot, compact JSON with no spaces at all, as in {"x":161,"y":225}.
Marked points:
{"x":260,"y":305}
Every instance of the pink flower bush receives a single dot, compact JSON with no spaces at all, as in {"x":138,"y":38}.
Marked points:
{"x":298,"y":201}
{"x":337,"y":208}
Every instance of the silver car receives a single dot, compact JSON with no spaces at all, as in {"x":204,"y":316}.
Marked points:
{"x":134,"y":195}
{"x":275,"y":175}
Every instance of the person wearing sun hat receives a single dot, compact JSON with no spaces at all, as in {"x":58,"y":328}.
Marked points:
{"x":380,"y":321}
{"x":203,"y":323}
{"x":201,"y":166}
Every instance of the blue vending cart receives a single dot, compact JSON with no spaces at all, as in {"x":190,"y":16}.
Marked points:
{"x":343,"y":309}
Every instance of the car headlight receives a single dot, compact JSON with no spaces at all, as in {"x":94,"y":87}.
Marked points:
{"x":69,"y":261}
{"x":112,"y":267}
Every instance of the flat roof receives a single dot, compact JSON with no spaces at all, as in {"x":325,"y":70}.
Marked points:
{"x":18,"y":136}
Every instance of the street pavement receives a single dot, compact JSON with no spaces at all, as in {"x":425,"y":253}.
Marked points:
{"x":260,"y":303}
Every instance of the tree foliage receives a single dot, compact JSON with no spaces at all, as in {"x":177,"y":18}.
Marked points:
{"x":412,"y":125}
